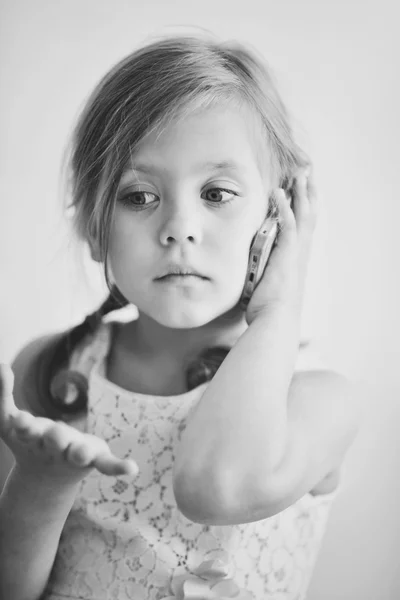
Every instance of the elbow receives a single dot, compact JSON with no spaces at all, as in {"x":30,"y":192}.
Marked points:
{"x":200,"y":498}
{"x":225,"y":494}
{"x":211,"y":500}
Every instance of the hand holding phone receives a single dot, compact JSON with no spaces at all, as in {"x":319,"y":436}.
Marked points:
{"x":260,"y":250}
{"x":259,"y":254}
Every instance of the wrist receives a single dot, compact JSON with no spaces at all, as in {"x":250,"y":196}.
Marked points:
{"x":288,"y":310}
{"x":41,"y":483}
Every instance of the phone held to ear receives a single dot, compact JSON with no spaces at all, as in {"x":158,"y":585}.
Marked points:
{"x":260,"y":250}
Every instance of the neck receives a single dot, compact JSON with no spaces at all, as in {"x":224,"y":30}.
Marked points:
{"x":154,"y":342}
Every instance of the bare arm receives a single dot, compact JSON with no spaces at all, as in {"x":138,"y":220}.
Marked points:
{"x":51,"y":458}
{"x":261,"y":436}
{"x":32,"y":516}
{"x":33,"y":508}
{"x":6,"y":463}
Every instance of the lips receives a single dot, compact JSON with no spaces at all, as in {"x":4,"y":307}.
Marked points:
{"x":180,"y":271}
{"x":181,"y":276}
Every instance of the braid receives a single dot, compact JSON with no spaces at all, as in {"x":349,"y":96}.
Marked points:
{"x":63,"y":392}
{"x":204,"y":367}
{"x":55,"y":381}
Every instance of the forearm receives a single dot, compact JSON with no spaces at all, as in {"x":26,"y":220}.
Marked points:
{"x":32,"y":516}
{"x":238,"y":431}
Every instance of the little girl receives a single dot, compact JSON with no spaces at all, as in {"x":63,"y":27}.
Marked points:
{"x":190,"y":452}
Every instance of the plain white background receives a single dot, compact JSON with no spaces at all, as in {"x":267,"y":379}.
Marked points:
{"x":337,"y":68}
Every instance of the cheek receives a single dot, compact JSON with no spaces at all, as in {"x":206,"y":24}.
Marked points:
{"x":241,"y":238}
{"x":242,"y":235}
{"x":117,"y":249}
{"x":126,"y":251}
{"x":234,"y":258}
{"x":124,"y":236}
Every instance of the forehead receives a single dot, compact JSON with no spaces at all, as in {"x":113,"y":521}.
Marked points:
{"x":213,"y":139}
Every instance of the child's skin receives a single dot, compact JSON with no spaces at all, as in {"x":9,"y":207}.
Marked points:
{"x":51,"y":458}
{"x":44,"y":448}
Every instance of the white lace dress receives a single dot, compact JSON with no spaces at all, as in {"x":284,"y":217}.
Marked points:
{"x":126,"y":540}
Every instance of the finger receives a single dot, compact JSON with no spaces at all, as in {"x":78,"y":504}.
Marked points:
{"x":94,"y":452}
{"x":27,"y":426}
{"x":108,"y":464}
{"x":286,"y":219}
{"x":22,"y":422}
{"x":83,"y":452}
{"x":300,"y":188}
{"x":305,"y":204}
{"x":7,"y":405}
{"x":312,"y":192}
{"x":308,"y":171}
{"x":79,"y":453}
{"x":59,"y":436}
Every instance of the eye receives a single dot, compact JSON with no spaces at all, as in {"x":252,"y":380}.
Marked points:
{"x":136,"y":199}
{"x":216,"y":195}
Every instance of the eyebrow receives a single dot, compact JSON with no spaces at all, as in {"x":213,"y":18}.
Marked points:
{"x":210,"y":167}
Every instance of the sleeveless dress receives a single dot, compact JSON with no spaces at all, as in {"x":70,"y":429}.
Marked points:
{"x":126,"y":539}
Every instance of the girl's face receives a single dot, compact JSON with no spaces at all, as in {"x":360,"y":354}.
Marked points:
{"x":193,"y":197}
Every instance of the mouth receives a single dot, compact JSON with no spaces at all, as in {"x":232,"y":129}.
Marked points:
{"x":181,"y":277}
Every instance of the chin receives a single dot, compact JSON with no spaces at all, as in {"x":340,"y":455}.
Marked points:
{"x":180,"y":319}
{"x":186,"y":316}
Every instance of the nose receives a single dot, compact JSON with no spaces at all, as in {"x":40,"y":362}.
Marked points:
{"x":180,"y":225}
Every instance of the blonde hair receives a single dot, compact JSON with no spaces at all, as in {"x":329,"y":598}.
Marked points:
{"x":164,"y":80}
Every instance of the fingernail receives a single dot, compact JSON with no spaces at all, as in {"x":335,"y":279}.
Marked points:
{"x":132,"y":469}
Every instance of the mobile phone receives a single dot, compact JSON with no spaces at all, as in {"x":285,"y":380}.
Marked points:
{"x":260,"y":249}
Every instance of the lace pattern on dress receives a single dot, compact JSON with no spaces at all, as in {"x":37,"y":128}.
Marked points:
{"x":127,"y":540}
